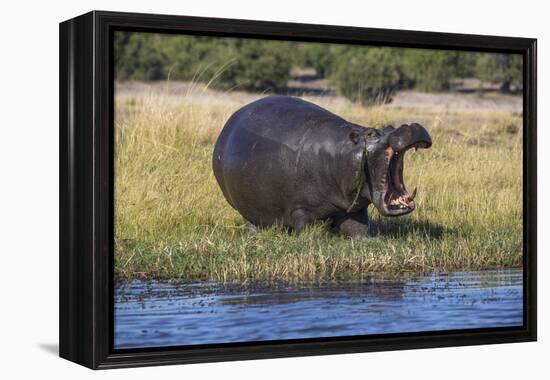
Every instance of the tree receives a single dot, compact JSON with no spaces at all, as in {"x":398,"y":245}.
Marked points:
{"x":324,"y":58}
{"x":432,"y":70}
{"x":369,"y":75}
{"x":256,"y":65}
{"x":365,"y":74}
{"x":506,"y":70}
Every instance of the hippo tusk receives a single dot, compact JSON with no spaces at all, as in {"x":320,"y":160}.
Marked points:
{"x":413,"y":194}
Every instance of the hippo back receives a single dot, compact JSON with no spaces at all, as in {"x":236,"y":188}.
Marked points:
{"x":278,"y":154}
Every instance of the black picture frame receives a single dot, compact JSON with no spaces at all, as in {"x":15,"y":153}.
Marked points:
{"x":86,"y":188}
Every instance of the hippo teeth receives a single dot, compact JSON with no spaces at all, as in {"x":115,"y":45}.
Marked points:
{"x":399,"y":202}
{"x":396,"y":196}
{"x":413,"y":194}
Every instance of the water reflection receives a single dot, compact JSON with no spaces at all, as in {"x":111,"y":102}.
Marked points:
{"x":151,"y":314}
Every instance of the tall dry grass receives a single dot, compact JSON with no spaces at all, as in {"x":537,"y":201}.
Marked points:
{"x":172,"y":220}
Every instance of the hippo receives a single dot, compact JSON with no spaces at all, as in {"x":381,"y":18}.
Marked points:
{"x":285,"y":161}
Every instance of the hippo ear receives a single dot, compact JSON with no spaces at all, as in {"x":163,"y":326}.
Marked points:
{"x":354,"y":137}
{"x":387,"y":128}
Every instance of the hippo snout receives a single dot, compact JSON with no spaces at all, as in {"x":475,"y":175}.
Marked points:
{"x":408,"y":136}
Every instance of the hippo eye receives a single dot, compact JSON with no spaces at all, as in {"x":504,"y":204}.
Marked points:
{"x":354,"y":137}
{"x":373,"y":133}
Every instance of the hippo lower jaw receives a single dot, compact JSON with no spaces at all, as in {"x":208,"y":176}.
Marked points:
{"x":395,"y":199}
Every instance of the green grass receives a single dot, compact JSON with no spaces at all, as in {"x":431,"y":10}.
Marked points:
{"x":171,"y":220}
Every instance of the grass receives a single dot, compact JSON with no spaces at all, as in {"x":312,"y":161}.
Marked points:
{"x":171,"y":220}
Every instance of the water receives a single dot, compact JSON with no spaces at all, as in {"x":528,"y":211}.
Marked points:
{"x":156,"y":314}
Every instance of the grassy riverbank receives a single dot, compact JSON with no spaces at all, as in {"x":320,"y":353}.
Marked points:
{"x":173,"y":222}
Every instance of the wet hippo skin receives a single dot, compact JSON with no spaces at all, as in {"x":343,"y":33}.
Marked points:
{"x":282,"y":160}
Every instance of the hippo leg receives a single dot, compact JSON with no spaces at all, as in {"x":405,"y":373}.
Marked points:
{"x":300,"y":218}
{"x":352,"y":224}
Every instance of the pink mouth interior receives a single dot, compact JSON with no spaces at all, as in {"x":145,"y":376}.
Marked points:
{"x":397,"y":197}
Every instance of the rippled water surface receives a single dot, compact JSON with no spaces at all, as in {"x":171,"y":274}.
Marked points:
{"x":154,"y":314}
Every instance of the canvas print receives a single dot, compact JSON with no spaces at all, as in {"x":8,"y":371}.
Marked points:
{"x":284,"y":190}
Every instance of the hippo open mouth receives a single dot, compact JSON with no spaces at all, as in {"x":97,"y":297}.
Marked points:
{"x":396,"y":198}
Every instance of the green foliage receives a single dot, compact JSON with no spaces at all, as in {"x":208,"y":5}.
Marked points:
{"x":221,"y":62}
{"x":139,"y":56}
{"x":257,"y":65}
{"x":433,"y":70}
{"x":369,"y":75}
{"x":505,"y":69}
{"x":364,"y":74}
{"x":324,"y":58}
